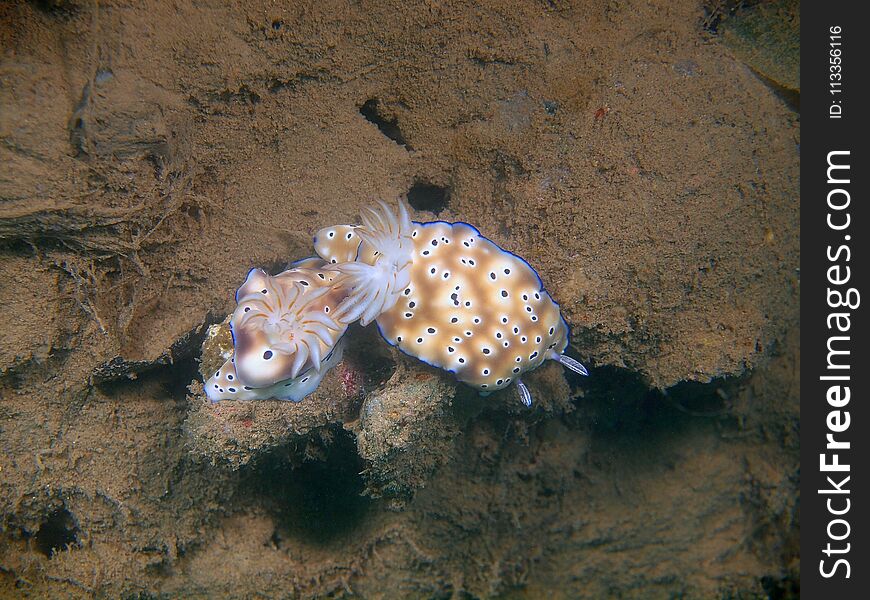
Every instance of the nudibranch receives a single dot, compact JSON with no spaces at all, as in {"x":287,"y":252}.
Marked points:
{"x":226,"y":385}
{"x":376,"y":258}
{"x":444,"y":293}
{"x":285,"y":332}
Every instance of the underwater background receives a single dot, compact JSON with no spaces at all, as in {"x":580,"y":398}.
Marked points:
{"x":642,"y":156}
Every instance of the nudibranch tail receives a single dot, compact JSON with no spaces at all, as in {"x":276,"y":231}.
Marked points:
{"x":337,"y":244}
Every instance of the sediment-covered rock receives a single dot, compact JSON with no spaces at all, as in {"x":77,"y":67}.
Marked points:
{"x":235,"y":432}
{"x":405,"y":430}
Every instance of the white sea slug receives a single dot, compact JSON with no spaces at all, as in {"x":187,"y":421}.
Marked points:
{"x":285,"y":331}
{"x":376,"y":257}
{"x":226,"y":385}
{"x":449,"y":296}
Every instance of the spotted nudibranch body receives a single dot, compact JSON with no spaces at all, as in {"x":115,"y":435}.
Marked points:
{"x":447,"y":295}
{"x":286,"y":332}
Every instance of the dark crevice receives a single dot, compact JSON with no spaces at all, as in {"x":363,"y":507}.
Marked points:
{"x":617,"y":400}
{"x":244,"y":95}
{"x":715,"y":11}
{"x":172,"y":379}
{"x":178,"y":378}
{"x":64,"y":9}
{"x":389,"y":126}
{"x":614,"y":400}
{"x":781,"y":588}
{"x":276,"y":85}
{"x":707,"y":400}
{"x":57,"y":532}
{"x":428,"y":196}
{"x":175,"y":368}
{"x":369,"y":357}
{"x":319,"y":500}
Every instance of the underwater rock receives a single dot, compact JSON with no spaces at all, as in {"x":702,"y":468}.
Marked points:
{"x":234,"y":432}
{"x":404,"y":425}
{"x":122,"y":116}
{"x":405,"y":431}
{"x":120,"y":367}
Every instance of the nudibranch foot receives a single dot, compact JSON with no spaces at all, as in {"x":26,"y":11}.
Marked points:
{"x":225,"y":383}
{"x":570,"y":363}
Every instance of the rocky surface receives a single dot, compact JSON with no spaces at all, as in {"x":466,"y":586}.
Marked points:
{"x":155,"y":152}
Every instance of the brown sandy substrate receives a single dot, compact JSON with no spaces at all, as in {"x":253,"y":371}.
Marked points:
{"x":152,"y":155}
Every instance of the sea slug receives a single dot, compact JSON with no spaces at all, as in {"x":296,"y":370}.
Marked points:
{"x":447,"y":295}
{"x":440,"y":292}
